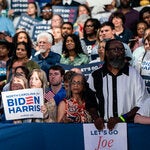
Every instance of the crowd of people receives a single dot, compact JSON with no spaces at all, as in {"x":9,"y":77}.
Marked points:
{"x":118,"y":91}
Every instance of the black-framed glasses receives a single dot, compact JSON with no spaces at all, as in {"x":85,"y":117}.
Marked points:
{"x":76,"y":83}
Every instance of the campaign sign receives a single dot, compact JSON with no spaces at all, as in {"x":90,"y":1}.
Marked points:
{"x":26,"y":22}
{"x":98,"y":2}
{"x":102,"y":17}
{"x":105,"y":139}
{"x":19,"y":6}
{"x":20,"y":104}
{"x":147,"y":82}
{"x":85,"y":69}
{"x":38,"y":28}
{"x":2,"y":70}
{"x":68,"y":13}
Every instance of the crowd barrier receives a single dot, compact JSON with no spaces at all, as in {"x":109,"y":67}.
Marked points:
{"x":53,"y":136}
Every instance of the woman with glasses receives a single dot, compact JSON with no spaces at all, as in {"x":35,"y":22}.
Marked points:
{"x":90,"y":29}
{"x":73,"y":108}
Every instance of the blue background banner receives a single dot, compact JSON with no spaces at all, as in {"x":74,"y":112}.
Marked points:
{"x":54,"y":136}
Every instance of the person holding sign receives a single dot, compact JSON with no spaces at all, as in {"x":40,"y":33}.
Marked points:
{"x":38,"y":79}
{"x":142,"y":63}
{"x":119,"y":89}
{"x":18,"y":82}
{"x":73,"y":108}
{"x":72,"y":52}
{"x":83,"y":13}
{"x":32,"y":12}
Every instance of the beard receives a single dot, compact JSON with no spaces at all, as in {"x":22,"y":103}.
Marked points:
{"x":117,"y":62}
{"x":42,"y":51}
{"x":126,"y":5}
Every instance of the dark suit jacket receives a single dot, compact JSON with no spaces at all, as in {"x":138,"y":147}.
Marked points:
{"x":73,"y":3}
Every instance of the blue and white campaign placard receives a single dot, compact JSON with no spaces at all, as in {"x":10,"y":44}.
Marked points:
{"x":69,"y":13}
{"x":86,"y":69}
{"x":26,"y":22}
{"x":19,"y":6}
{"x":38,"y":28}
{"x":105,"y":139}
{"x":20,"y":104}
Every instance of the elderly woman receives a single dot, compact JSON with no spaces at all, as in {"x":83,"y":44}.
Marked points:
{"x":73,"y":108}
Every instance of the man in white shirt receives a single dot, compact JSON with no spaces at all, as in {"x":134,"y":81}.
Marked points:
{"x":119,"y":89}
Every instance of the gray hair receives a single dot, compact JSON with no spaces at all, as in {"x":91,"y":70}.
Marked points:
{"x":49,"y":36}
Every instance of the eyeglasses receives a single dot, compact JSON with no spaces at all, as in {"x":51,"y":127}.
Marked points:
{"x":89,"y":26}
{"x":116,"y":49}
{"x":78,"y":83}
{"x":47,"y":10}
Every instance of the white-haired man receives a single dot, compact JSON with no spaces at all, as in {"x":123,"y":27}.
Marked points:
{"x":46,"y":58}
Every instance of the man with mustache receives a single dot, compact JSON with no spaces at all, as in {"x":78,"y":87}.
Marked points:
{"x":119,"y":89}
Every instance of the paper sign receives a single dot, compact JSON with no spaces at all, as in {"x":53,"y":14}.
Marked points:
{"x":102,"y":17}
{"x":19,"y":6}
{"x":38,"y":28}
{"x":86,"y":69}
{"x":105,"y":139}
{"x":2,"y":70}
{"x":69,"y":13}
{"x":26,"y":22}
{"x":24,"y":103}
{"x":98,"y":2}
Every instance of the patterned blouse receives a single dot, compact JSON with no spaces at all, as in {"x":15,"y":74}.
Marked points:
{"x":76,"y":112}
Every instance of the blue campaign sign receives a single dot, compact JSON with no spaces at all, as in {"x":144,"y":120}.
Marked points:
{"x":147,"y":82}
{"x":86,"y":69}
{"x":19,"y":6}
{"x":41,"y":3}
{"x":68,"y":13}
{"x":2,"y":70}
{"x":26,"y":22}
{"x":38,"y":28}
